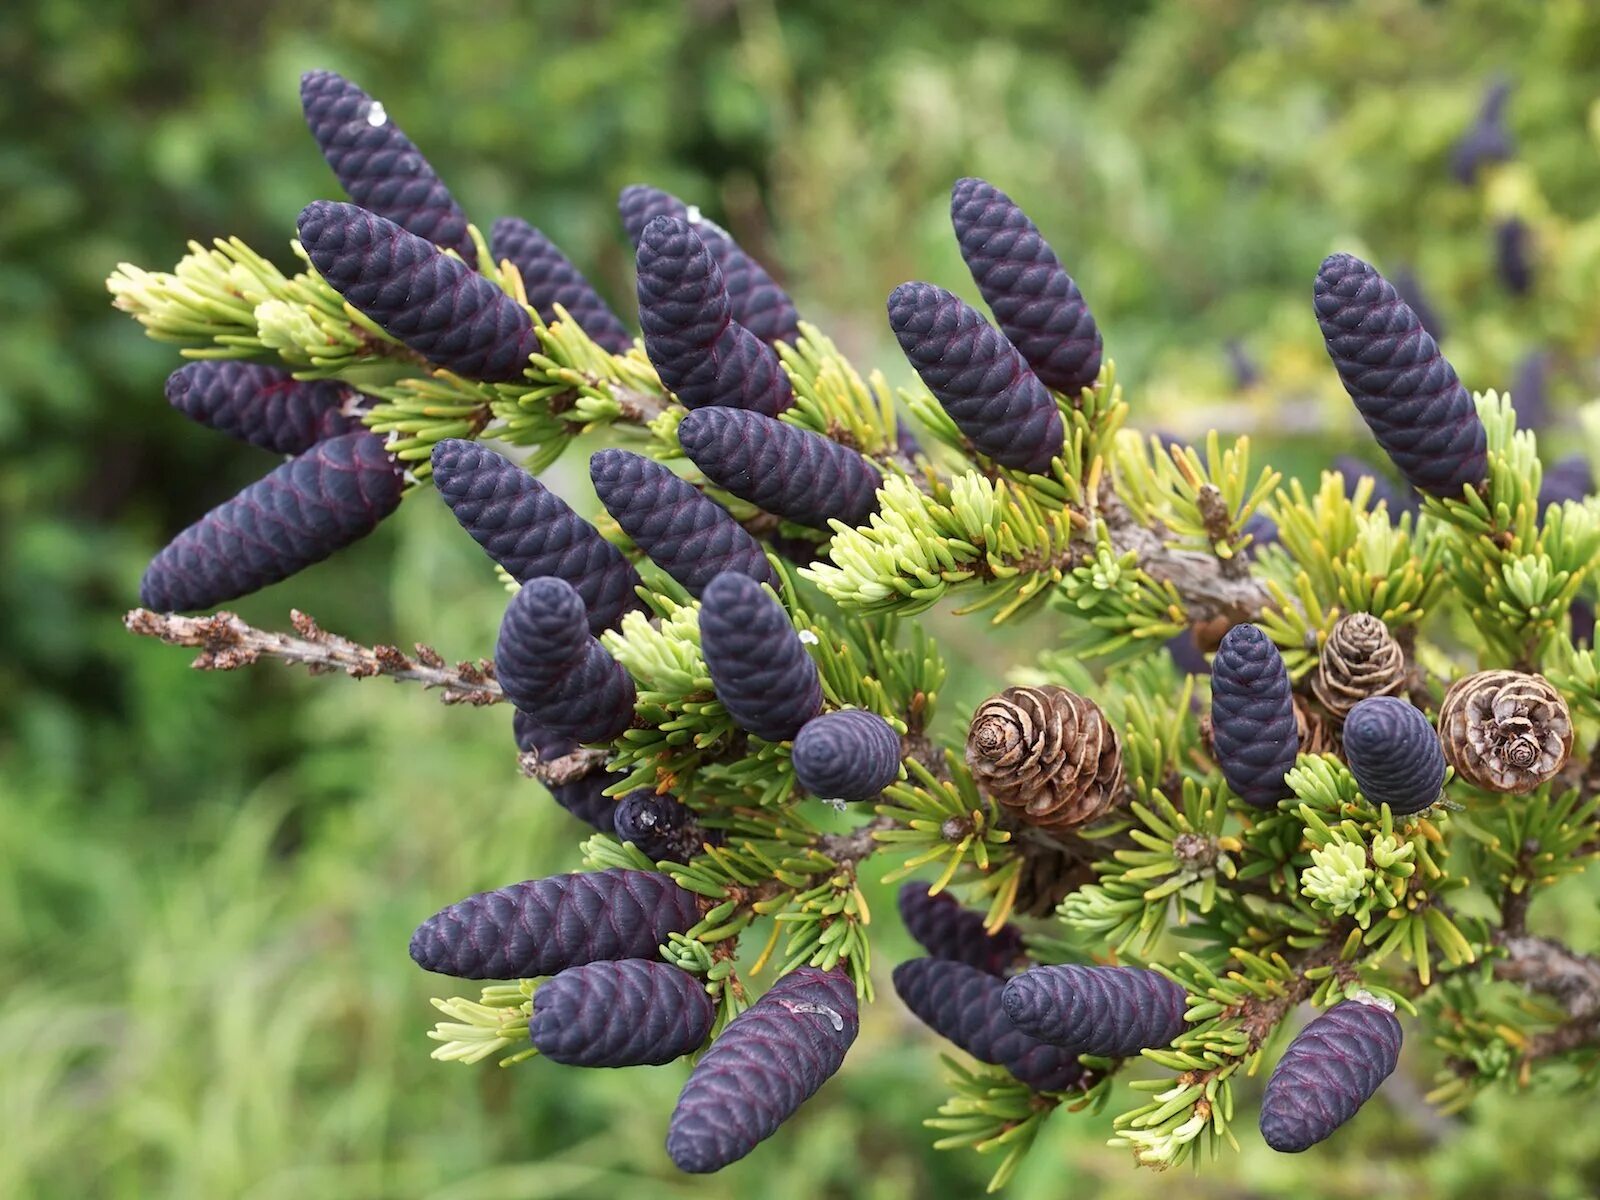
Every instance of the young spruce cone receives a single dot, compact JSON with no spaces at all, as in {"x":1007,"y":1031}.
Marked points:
{"x":631,"y":1013}
{"x":1329,"y":1071}
{"x":265,"y":406}
{"x":785,"y":470}
{"x":1035,"y":302}
{"x":758,"y":665}
{"x":947,"y":929}
{"x":549,"y":279}
{"x":551,"y":667}
{"x":659,"y":824}
{"x":1114,"y":1012}
{"x":298,"y":514}
{"x":378,"y":166}
{"x":764,"y":1065}
{"x":1407,"y":392}
{"x":847,"y":755}
{"x":546,"y":925}
{"x":437,"y":305}
{"x":690,"y":537}
{"x":1394,"y":754}
{"x":701,"y":353}
{"x":1359,"y":659}
{"x":1252,"y":716}
{"x":1513,"y":255}
{"x":962,"y":1004}
{"x":584,"y":798}
{"x":1568,"y":478}
{"x":1504,"y":731}
{"x":1047,"y":754}
{"x":978,"y":376}
{"x":530,"y":531}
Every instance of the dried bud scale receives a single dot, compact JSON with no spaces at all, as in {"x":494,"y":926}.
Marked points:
{"x":947,"y":929}
{"x":1048,"y":755}
{"x":1253,"y":724}
{"x":1394,"y":754}
{"x":848,"y":755}
{"x":1109,"y":1011}
{"x":631,"y":1013}
{"x":759,"y":667}
{"x":1328,"y":1072}
{"x":1505,"y":731}
{"x":1360,"y":658}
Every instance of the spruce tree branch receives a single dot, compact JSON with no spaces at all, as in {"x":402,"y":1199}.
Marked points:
{"x":564,"y":769}
{"x":1549,"y":968}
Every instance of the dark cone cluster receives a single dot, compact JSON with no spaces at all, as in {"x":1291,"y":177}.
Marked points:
{"x":378,"y":166}
{"x":1360,"y":658}
{"x":687,"y":535}
{"x":1328,"y":1072}
{"x":701,"y":353}
{"x":759,"y":667}
{"x":787,"y":471}
{"x":659,"y":824}
{"x":847,"y":755}
{"x":530,"y":531}
{"x":551,"y":667}
{"x":962,"y":1004}
{"x":437,"y":305}
{"x":767,"y":1062}
{"x":1394,"y":754}
{"x":1035,"y":302}
{"x":323,"y":500}
{"x":584,"y":798}
{"x":1047,"y":754}
{"x":549,"y":278}
{"x":546,"y":925}
{"x":947,"y":929}
{"x":264,"y":406}
{"x":1568,"y":478}
{"x":631,"y":1013}
{"x":978,"y":376}
{"x":1114,"y":1012}
{"x":1405,"y":390}
{"x":1252,"y":716}
{"x":1505,"y":731}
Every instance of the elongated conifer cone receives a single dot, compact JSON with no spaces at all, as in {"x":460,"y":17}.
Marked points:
{"x":265,"y":406}
{"x":787,"y":471}
{"x":978,"y":376}
{"x":1394,"y":753}
{"x":378,"y":166}
{"x":542,"y":926}
{"x":946,"y":928}
{"x":1111,"y":1011}
{"x":1405,"y":390}
{"x":847,"y":755}
{"x":754,"y":299}
{"x":689,"y":536}
{"x":767,"y":1062}
{"x":550,"y":278}
{"x":1252,"y":716}
{"x":962,"y":1004}
{"x":1328,"y":1072}
{"x":552,"y":668}
{"x":632,"y":1013}
{"x":759,"y":667}
{"x":1035,"y":302}
{"x":699,"y":350}
{"x":530,"y":531}
{"x":584,"y":798}
{"x":435,"y":304}
{"x":298,"y":514}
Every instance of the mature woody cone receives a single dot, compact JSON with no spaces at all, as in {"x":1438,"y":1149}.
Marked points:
{"x":1047,"y":754}
{"x":1328,"y":1072}
{"x":298,"y":514}
{"x":378,"y":166}
{"x":848,"y":755}
{"x":758,"y":665}
{"x":1035,"y":302}
{"x":1505,"y":731}
{"x":551,"y":667}
{"x":530,"y":531}
{"x":1359,"y":659}
{"x":632,"y":1013}
{"x":659,"y":824}
{"x":436,"y":304}
{"x":1394,"y":754}
{"x":549,"y":279}
{"x":947,"y":929}
{"x":1405,"y":390}
{"x":1110,"y":1011}
{"x":762,"y":1067}
{"x":584,"y":798}
{"x":542,"y":926}
{"x":1253,"y":725}
{"x":264,"y":406}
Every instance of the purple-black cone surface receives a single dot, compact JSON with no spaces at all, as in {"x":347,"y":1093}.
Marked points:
{"x":1394,"y":753}
{"x":1110,"y":1011}
{"x":946,"y":928}
{"x":549,"y":278}
{"x":631,"y":1013}
{"x":584,"y":798}
{"x":1252,"y":716}
{"x":1328,"y":1072}
{"x":847,"y":755}
{"x":264,"y":406}
{"x":759,"y":667}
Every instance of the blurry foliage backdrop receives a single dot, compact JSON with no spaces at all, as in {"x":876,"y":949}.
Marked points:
{"x":206,"y":883}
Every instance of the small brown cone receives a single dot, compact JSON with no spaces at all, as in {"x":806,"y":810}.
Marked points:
{"x":1317,"y":734}
{"x":1359,"y":659}
{"x":1505,"y":731}
{"x":1046,"y":754}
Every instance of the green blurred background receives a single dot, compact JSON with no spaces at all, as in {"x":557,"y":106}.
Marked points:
{"x":207,"y":882}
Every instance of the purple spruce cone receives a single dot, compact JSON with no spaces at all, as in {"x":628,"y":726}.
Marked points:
{"x":1384,"y":491}
{"x":1110,"y":1011}
{"x":530,"y":531}
{"x":632,"y":1013}
{"x":584,"y":798}
{"x":1566,"y":479}
{"x":1488,"y":140}
{"x":1394,"y":754}
{"x":1405,"y":390}
{"x":437,"y":305}
{"x":663,"y":827}
{"x":947,"y":929}
{"x":298,"y":514}
{"x":1328,"y":1072}
{"x":767,"y":1062}
{"x":1513,"y":255}
{"x":262,"y":405}
{"x":759,"y":667}
{"x":1252,"y":716}
{"x":1035,"y":302}
{"x":846,"y":755}
{"x":977,"y":376}
{"x":549,"y":278}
